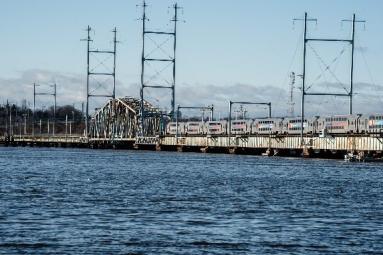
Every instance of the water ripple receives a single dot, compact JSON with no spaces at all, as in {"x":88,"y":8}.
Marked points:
{"x":68,"y":201}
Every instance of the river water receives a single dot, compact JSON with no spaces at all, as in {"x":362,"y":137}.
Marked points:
{"x":79,"y":201}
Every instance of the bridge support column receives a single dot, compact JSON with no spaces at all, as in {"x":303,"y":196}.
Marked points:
{"x":306,"y":152}
{"x":268,"y":152}
{"x":204,"y":149}
{"x":233,"y":150}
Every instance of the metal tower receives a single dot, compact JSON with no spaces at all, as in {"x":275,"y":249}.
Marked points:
{"x":93,"y":72}
{"x":146,"y":57}
{"x":351,"y":41}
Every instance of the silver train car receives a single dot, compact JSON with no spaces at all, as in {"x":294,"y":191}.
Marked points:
{"x":216,"y":127}
{"x":267,"y":126}
{"x":171,"y":128}
{"x":341,"y":124}
{"x":194,"y":128}
{"x":293,"y":126}
{"x":241,"y":127}
{"x":372,"y":124}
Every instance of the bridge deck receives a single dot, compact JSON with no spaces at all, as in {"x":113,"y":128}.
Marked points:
{"x":344,"y":143}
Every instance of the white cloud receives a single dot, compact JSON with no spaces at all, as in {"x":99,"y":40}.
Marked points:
{"x":71,"y":89}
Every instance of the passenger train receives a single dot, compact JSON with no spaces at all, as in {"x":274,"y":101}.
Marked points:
{"x":340,"y":124}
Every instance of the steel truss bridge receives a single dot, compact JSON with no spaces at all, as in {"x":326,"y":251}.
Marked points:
{"x":119,"y":120}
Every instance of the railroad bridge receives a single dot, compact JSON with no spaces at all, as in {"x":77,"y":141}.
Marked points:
{"x":118,"y":125}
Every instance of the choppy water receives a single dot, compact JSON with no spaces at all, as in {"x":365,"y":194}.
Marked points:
{"x":128,"y":202}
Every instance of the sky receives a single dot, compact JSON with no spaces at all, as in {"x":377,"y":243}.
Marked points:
{"x":226,"y":50}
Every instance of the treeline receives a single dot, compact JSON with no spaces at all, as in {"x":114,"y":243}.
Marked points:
{"x":20,"y":120}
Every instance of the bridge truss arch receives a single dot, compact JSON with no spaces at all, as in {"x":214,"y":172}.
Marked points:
{"x":118,"y":119}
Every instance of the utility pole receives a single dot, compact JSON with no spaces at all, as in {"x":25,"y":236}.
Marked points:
{"x":353,"y":22}
{"x":10,"y":121}
{"x":114,"y":61}
{"x":352,"y":61}
{"x":142,"y":110}
{"x":19,"y":126}
{"x":72,"y":123}
{"x":54,"y":109}
{"x":54,"y":94}
{"x":34,"y":109}
{"x":87,"y":81}
{"x":25,"y":123}
{"x":175,"y":20}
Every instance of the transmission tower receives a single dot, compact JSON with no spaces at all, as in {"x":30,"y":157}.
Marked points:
{"x":306,"y":40}
{"x":91,"y":71}
{"x":146,"y":58}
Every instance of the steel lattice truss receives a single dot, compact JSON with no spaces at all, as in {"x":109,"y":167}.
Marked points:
{"x":118,"y":119}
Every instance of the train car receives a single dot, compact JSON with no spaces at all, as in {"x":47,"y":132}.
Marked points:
{"x":267,"y":126}
{"x":171,"y":128}
{"x":373,"y":124}
{"x":241,"y":127}
{"x":216,"y":127}
{"x":292,"y":126}
{"x":195,"y":128}
{"x":341,"y":124}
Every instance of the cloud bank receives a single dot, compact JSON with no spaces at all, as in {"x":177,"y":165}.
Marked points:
{"x":71,"y":90}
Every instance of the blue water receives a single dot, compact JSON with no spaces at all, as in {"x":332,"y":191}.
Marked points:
{"x":134,"y":202}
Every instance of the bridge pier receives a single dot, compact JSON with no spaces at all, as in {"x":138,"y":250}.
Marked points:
{"x":233,"y":150}
{"x":205,"y":149}
{"x":268,"y":153}
{"x":306,"y":152}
